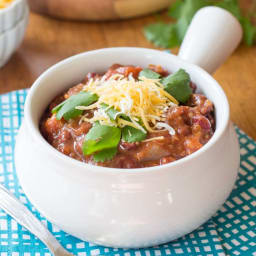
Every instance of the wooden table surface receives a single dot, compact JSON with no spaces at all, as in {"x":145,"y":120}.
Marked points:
{"x":48,"y":41}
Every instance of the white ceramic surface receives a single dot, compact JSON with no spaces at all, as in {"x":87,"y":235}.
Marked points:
{"x":12,"y":14}
{"x":123,"y":207}
{"x":11,"y":39}
{"x":212,"y":36}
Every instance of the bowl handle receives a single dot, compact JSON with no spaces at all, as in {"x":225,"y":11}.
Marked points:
{"x":212,"y":36}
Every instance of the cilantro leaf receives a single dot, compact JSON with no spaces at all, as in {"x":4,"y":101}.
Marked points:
{"x":161,"y":34}
{"x":58,"y":107}
{"x":177,"y":84}
{"x":174,"y":38}
{"x":101,"y":137}
{"x":249,"y":31}
{"x":176,"y":9}
{"x":67,"y":109}
{"x":131,"y":134}
{"x":111,"y":112}
{"x":105,"y":155}
{"x":148,"y":73}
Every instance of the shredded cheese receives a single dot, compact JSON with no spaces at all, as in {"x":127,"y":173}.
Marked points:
{"x":166,"y":126}
{"x":144,"y":100}
{"x":154,"y":138}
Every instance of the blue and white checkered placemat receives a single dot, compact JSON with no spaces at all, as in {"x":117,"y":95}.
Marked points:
{"x":230,"y":232}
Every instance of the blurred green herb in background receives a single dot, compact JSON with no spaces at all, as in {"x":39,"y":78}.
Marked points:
{"x":171,"y":34}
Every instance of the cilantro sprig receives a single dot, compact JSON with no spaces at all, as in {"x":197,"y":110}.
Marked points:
{"x":102,"y":140}
{"x":171,"y":34}
{"x":111,"y":112}
{"x":177,"y":84}
{"x":148,"y":73}
{"x":129,"y":134}
{"x":105,"y":155}
{"x":67,"y":109}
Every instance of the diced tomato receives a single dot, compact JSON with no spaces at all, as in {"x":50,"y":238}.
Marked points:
{"x":123,"y":70}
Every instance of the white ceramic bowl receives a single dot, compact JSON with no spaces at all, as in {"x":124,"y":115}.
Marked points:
{"x":12,"y":14}
{"x":125,"y":207}
{"x":11,"y":38}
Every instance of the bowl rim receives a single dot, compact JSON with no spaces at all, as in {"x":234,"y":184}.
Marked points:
{"x":10,"y":6}
{"x":35,"y":133}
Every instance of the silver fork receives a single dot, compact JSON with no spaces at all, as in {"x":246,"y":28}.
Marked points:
{"x":11,"y":205}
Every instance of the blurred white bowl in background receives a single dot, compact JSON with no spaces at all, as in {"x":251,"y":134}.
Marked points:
{"x":10,"y":39}
{"x":12,"y":14}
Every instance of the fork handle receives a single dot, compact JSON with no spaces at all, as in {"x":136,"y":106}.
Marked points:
{"x":23,"y":216}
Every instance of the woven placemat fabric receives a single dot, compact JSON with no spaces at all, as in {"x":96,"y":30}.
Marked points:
{"x":231,"y":231}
